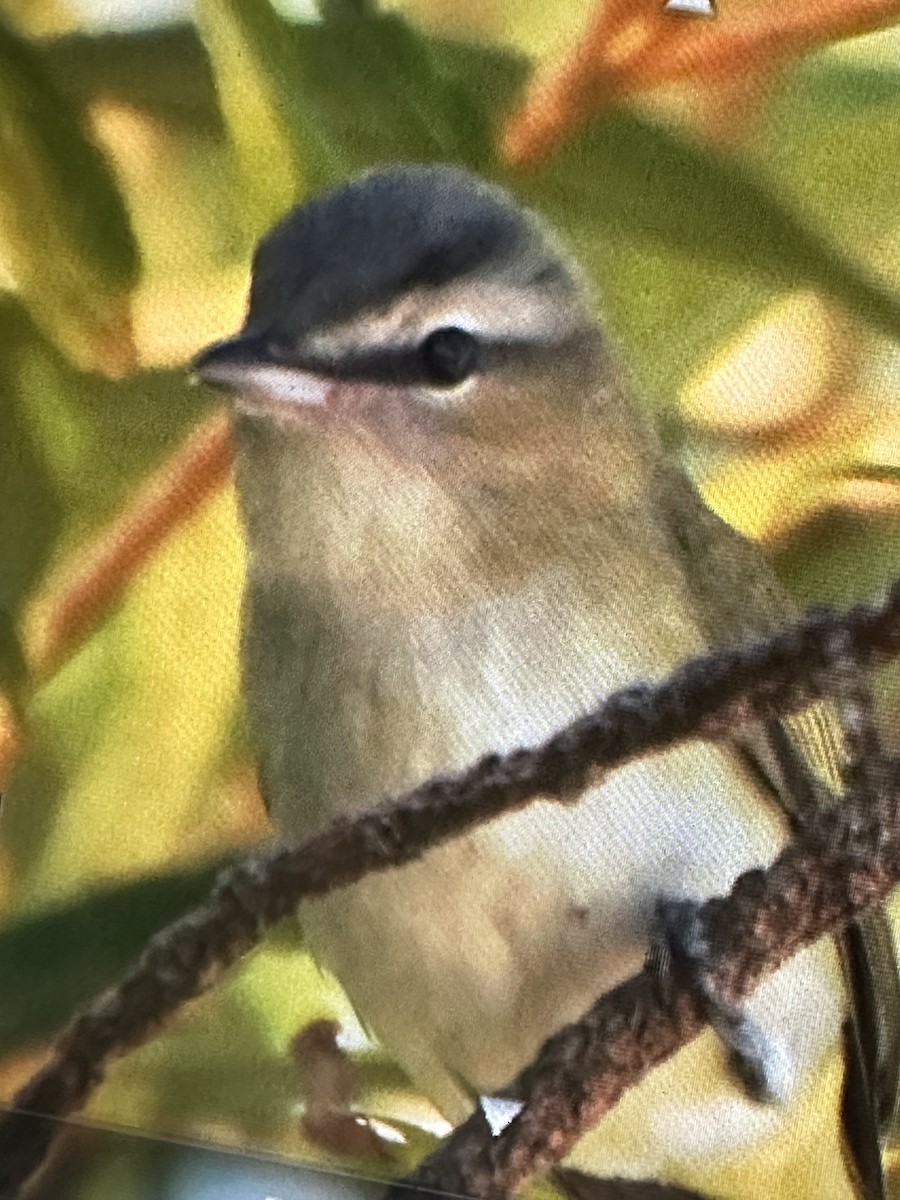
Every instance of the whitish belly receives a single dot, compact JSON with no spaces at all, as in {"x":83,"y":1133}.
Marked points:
{"x":463,"y":963}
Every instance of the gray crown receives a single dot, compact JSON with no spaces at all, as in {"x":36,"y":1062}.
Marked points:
{"x":380,"y":235}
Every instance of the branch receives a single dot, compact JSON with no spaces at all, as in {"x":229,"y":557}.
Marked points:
{"x":847,"y":862}
{"x":708,"y":697}
{"x":99,"y":576}
{"x":616,"y":59}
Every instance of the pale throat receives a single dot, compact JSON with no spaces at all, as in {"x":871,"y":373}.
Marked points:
{"x":431,"y":635}
{"x":400,"y":538}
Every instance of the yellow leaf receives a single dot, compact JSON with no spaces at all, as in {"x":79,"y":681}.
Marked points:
{"x":796,"y":356}
{"x":141,"y":778}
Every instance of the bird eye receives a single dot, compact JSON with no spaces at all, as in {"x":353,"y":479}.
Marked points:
{"x":449,"y":355}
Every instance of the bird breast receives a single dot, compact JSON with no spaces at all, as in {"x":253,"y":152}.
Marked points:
{"x":464,"y":962}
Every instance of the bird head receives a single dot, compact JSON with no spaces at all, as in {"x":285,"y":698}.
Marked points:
{"x":418,"y":352}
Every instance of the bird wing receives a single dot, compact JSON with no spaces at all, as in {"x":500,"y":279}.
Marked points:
{"x":800,"y":758}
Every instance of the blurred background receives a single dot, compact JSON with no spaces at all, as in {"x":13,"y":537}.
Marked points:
{"x":731,"y":186}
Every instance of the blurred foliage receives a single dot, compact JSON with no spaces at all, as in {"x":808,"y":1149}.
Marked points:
{"x":114,"y":922}
{"x":744,"y":237}
{"x":64,"y":230}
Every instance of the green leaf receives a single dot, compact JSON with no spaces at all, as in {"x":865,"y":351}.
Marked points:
{"x":30,"y":513}
{"x":371,"y":88}
{"x":162,"y":70}
{"x":627,"y":178}
{"x":64,"y":230}
{"x":830,"y":157}
{"x":55,"y":421}
{"x":243,"y":40}
{"x":820,"y":91}
{"x":357,"y":89}
{"x":843,"y":558}
{"x":53,"y":963}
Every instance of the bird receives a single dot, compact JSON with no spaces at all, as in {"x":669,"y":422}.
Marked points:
{"x":463,"y":531}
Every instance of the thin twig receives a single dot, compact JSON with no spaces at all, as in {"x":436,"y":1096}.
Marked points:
{"x":98,"y":576}
{"x":707,"y":697}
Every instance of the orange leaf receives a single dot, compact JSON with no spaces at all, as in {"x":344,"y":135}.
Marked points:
{"x":619,"y":57}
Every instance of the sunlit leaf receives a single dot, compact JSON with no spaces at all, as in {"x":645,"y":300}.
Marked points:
{"x":822,"y":92}
{"x":534,"y":28}
{"x":242,"y":38}
{"x":793,"y":358}
{"x":55,"y":419}
{"x":358,"y":89}
{"x":64,"y":231}
{"x":841,"y":557}
{"x":93,"y":582}
{"x":127,"y":740}
{"x":823,"y":162}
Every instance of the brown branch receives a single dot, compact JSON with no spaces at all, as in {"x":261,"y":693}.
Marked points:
{"x":98,"y":577}
{"x":664,"y":49}
{"x":707,"y":697}
{"x":847,"y":862}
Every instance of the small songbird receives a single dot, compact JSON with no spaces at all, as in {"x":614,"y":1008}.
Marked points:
{"x":462,"y":533}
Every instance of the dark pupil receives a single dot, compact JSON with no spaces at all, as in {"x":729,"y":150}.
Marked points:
{"x":449,"y":355}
